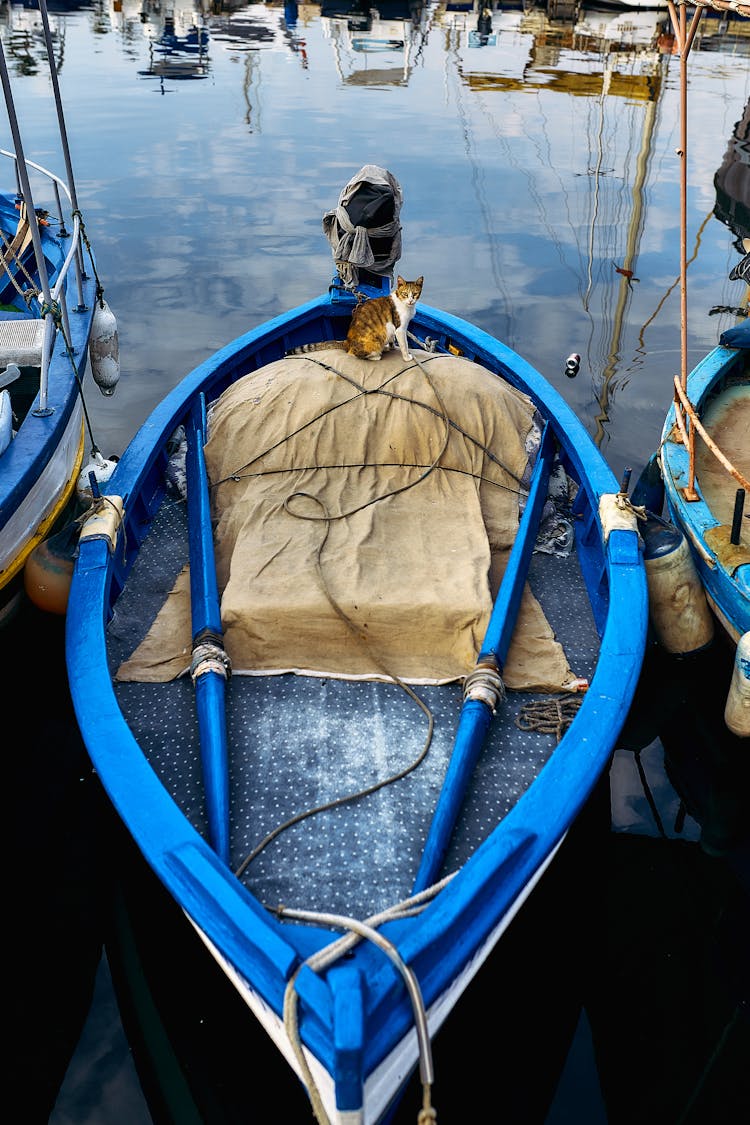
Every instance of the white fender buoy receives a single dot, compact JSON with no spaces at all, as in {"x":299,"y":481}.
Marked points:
{"x":737,"y":710}
{"x":679,"y":611}
{"x":6,"y":420}
{"x":572,"y":365}
{"x":104,"y":349}
{"x":102,"y":468}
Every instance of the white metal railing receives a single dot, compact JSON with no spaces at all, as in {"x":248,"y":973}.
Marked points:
{"x":54,"y":298}
{"x":56,"y":295}
{"x":75,"y":245}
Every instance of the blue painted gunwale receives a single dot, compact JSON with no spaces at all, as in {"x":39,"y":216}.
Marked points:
{"x":731,"y":595}
{"x":439,"y":942}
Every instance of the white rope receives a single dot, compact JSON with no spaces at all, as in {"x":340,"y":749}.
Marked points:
{"x":209,"y":656}
{"x":484,"y":683}
{"x":356,"y":931}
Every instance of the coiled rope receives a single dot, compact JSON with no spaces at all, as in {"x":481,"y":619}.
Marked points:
{"x":549,"y":716}
{"x":9,"y":255}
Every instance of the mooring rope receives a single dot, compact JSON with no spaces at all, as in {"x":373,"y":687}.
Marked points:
{"x":324,"y":958}
{"x":55,"y":312}
{"x":327,"y":518}
{"x":10,"y":255}
{"x":349,"y":798}
{"x":85,"y":238}
{"x":648,"y":794}
{"x":362,"y":640}
{"x":356,"y":929}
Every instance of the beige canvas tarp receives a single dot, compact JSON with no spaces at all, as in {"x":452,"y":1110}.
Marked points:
{"x":357,"y":520}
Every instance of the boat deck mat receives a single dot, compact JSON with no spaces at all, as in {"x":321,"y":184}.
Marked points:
{"x":371,"y":730}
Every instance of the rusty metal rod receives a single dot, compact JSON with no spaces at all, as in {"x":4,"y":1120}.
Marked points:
{"x":739,"y":505}
{"x":695,"y":422}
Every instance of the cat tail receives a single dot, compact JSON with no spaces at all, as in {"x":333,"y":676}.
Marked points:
{"x":321,"y":346}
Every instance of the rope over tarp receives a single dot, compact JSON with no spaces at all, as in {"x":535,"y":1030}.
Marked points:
{"x":415,"y":571}
{"x":364,"y":229}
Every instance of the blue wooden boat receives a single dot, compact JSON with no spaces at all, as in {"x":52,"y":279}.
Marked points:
{"x":52,"y":316}
{"x":706,"y":474}
{"x":701,"y":470}
{"x":704,"y":463}
{"x":351,"y":784}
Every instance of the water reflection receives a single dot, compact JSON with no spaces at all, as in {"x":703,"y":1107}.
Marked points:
{"x":248,"y":29}
{"x":392,"y":27}
{"x":375,"y":46}
{"x":617,"y":64}
{"x":24,"y":41}
{"x":178,"y":45}
{"x":535,"y":143}
{"x":732,"y":183}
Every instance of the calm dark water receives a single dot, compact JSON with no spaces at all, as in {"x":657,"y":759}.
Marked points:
{"x":537,"y":161}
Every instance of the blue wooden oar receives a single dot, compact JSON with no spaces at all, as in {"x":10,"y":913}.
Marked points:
{"x":476,"y":714}
{"x":210,"y":665}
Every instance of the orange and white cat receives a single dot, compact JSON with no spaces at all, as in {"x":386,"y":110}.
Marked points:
{"x":378,"y":323}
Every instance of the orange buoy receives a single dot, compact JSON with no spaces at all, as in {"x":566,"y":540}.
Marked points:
{"x":49,"y":570}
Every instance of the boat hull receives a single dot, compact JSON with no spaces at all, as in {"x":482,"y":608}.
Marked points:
{"x":192,"y":1046}
{"x":724,"y":575}
{"x":40,"y":466}
{"x":356,"y":1020}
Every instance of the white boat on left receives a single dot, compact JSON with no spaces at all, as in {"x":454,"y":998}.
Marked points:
{"x":53,"y":320}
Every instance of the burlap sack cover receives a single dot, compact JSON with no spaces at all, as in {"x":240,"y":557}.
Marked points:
{"x":356,"y":514}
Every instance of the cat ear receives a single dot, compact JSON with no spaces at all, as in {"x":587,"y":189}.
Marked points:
{"x":420,"y":280}
{"x":400,"y":280}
